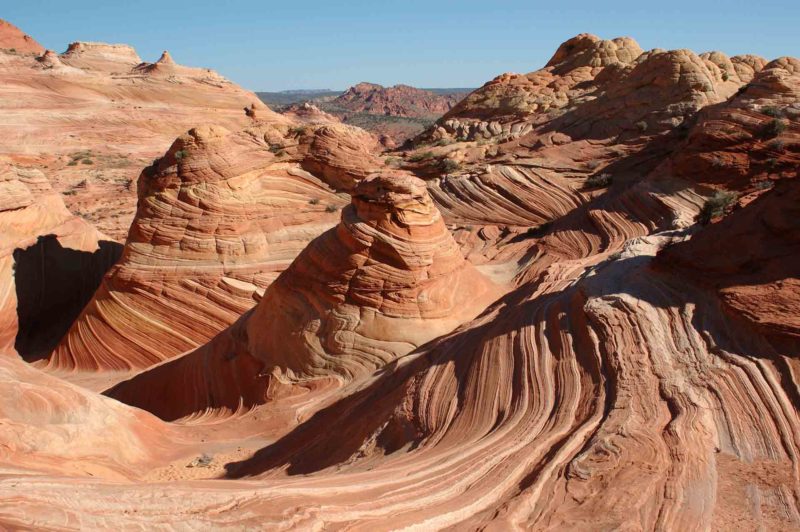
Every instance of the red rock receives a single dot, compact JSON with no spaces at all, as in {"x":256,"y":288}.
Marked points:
{"x":219,"y":217}
{"x":12,"y":38}
{"x":387,"y":279}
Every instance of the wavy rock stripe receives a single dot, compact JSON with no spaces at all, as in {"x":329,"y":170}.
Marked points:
{"x":219,"y":217}
{"x":524,"y":419}
{"x":607,"y":390}
{"x":386,"y":280}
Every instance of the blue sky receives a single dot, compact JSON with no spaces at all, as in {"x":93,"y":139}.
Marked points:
{"x":266,"y":45}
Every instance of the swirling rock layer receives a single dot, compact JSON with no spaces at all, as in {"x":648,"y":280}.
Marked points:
{"x":640,"y":372}
{"x":219,"y":217}
{"x":386,"y":280}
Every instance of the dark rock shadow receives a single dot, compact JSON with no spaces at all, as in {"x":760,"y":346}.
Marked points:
{"x":53,"y":284}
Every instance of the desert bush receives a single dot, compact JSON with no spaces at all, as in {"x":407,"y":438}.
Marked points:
{"x":331,"y":208}
{"x":715,"y":206}
{"x":593,"y":165}
{"x":314,"y":201}
{"x":641,"y":125}
{"x":598,"y":181}
{"x":391,"y":161}
{"x":87,"y":161}
{"x":771,"y":110}
{"x":419,"y":157}
{"x":776,"y":145}
{"x":774,"y":128}
{"x":449,"y":165}
{"x":181,"y":154}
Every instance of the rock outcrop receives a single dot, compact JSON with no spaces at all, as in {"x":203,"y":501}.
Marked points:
{"x":386,"y":280}
{"x":632,"y":365}
{"x":220,"y":215}
{"x":751,"y":259}
{"x":12,"y":38}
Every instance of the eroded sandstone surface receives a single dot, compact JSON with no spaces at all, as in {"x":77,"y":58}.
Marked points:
{"x":571,"y":304}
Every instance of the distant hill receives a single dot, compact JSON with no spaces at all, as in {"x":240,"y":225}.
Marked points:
{"x":285,"y":98}
{"x":396,"y":113}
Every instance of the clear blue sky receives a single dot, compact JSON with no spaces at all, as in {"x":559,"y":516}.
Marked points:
{"x":267,"y":45}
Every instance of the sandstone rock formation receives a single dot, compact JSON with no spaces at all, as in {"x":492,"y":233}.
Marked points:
{"x":219,"y":217}
{"x":638,"y":369}
{"x":387,"y":279}
{"x":750,"y":259}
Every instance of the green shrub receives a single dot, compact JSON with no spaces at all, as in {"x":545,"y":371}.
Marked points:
{"x":314,"y":201}
{"x":391,"y":161}
{"x":774,"y":128}
{"x":598,"y":181}
{"x":72,"y":163}
{"x":181,"y":154}
{"x":776,"y":145}
{"x":771,"y":110}
{"x":419,"y":157}
{"x":716,"y":206}
{"x":725,"y":76}
{"x":331,"y":208}
{"x":641,"y":125}
{"x":87,"y":161}
{"x":449,"y":165}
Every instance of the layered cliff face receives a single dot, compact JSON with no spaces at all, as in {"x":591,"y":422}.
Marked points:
{"x":392,"y":114}
{"x":219,"y":217}
{"x":51,"y":262}
{"x":384,"y":281}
